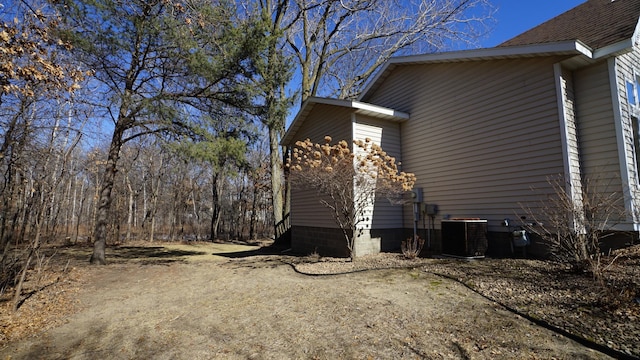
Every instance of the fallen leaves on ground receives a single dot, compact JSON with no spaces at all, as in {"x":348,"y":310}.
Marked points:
{"x":607,"y":315}
{"x":46,"y":303}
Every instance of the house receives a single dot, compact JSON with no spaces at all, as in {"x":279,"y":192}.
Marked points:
{"x":484,"y":130}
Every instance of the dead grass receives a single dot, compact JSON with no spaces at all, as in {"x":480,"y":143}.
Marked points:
{"x":217,"y":301}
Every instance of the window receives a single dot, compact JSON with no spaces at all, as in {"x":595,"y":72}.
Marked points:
{"x":631,"y":93}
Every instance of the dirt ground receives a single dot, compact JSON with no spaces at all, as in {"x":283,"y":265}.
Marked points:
{"x":222,"y":301}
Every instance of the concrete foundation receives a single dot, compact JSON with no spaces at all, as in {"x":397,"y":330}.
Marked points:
{"x":331,"y":242}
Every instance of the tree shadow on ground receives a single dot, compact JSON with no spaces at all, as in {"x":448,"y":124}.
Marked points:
{"x":139,"y":254}
{"x":150,"y":255}
{"x":266,"y":250}
{"x":153,"y":252}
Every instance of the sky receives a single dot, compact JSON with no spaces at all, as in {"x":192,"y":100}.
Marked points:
{"x":517,"y":16}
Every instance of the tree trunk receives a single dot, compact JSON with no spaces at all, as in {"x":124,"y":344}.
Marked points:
{"x":11,"y":146}
{"x":287,"y":184}
{"x":152,"y":229}
{"x":254,"y":210}
{"x":33,"y":248}
{"x":195,"y":223}
{"x":104,"y":205}
{"x":154,"y":211}
{"x":129,"y":209}
{"x":83,"y":197}
{"x":217,"y":208}
{"x":276,"y":174}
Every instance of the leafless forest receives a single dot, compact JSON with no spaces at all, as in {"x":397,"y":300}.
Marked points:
{"x":52,"y":181}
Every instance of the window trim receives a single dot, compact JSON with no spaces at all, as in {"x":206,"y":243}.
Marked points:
{"x":632,"y":88}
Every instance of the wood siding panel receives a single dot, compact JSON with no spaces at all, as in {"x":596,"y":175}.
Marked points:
{"x":306,"y":209}
{"x":628,"y":68}
{"x":481,"y":134}
{"x":382,"y":215}
{"x":596,"y":129}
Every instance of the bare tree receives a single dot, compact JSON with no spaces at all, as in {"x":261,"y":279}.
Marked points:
{"x":32,"y":71}
{"x":152,"y":173}
{"x":155,"y":60}
{"x":45,"y":164}
{"x":37,"y":82}
{"x":258,"y":175}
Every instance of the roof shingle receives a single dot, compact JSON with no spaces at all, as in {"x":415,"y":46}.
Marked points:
{"x":596,"y":23}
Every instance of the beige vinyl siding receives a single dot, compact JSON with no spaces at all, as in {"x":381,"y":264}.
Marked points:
{"x":628,"y":67}
{"x":323,"y":120}
{"x":382,"y":215}
{"x":597,"y":129}
{"x":567,"y":99}
{"x":570,"y":119}
{"x":306,"y":209}
{"x":481,"y":134}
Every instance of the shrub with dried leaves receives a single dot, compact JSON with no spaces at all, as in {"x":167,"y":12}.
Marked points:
{"x":347,"y":181}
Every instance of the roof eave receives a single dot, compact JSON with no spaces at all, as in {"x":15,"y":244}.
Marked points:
{"x":620,"y":47}
{"x":614,"y":49}
{"x":358,"y":106}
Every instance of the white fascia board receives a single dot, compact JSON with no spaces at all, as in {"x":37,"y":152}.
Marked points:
{"x":636,"y":35}
{"x":297,"y":122}
{"x":559,"y":48}
{"x":622,"y":46}
{"x":584,"y":49}
{"x":358,"y":105}
{"x":328,"y":101}
{"x":399,"y":115}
